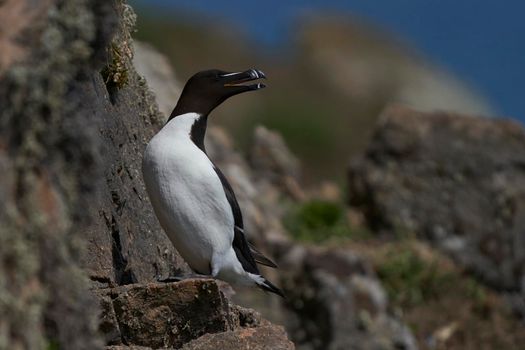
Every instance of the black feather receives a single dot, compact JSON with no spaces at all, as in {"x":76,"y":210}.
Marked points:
{"x":260,"y":258}
{"x":246,"y":253}
{"x":240,"y":245}
{"x":270,"y":287}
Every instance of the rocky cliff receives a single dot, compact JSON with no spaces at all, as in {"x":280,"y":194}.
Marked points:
{"x":52,"y":165}
{"x":454,"y":180}
{"x":75,"y":119}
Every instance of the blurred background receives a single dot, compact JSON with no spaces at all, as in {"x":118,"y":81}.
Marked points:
{"x":334,"y":65}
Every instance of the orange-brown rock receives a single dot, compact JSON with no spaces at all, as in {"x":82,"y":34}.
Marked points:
{"x":264,"y":337}
{"x":170,"y":315}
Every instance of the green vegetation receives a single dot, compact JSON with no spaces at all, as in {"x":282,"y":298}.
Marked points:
{"x":318,"y":220}
{"x":120,"y":53}
{"x":475,"y":291}
{"x":313,"y":136}
{"x":52,"y":345}
{"x":115,"y":73}
{"x":410,"y":280}
{"x":439,"y":300}
{"x":478,"y":295}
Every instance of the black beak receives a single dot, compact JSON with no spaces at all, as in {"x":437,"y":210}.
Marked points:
{"x":237,"y":80}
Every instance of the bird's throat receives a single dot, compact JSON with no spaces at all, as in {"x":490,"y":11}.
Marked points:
{"x":198,"y":131}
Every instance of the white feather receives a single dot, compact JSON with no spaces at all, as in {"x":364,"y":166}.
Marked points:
{"x":190,"y":203}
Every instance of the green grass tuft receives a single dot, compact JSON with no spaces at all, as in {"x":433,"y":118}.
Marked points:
{"x":410,"y":280}
{"x":318,"y":220}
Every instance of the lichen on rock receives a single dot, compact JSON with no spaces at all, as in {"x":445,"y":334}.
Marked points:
{"x":120,"y":53}
{"x":49,"y":170}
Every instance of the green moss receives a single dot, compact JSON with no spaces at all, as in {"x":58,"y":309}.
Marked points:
{"x":52,"y":345}
{"x":116,"y":71}
{"x":410,"y":280}
{"x":318,"y":220}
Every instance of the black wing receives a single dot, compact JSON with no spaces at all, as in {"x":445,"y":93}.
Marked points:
{"x":240,"y":245}
{"x":260,"y":258}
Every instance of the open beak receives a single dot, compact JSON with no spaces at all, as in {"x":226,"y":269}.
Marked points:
{"x":239,"y":79}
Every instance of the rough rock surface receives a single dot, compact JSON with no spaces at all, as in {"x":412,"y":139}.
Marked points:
{"x":50,"y":164}
{"x":337,"y":302}
{"x":125,"y":242}
{"x":454,"y":180}
{"x":75,"y":117}
{"x":261,"y":338}
{"x":171,"y":315}
{"x":272,"y":161}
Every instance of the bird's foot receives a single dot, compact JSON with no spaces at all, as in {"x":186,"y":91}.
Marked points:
{"x":179,"y":278}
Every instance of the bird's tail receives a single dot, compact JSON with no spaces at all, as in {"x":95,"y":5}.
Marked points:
{"x":266,"y":285}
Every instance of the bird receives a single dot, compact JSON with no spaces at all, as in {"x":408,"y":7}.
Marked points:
{"x":191,"y":197}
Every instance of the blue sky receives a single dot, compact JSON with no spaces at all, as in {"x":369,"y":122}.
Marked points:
{"x":482,"y":42}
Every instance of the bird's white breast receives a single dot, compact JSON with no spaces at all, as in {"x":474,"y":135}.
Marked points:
{"x":187,"y":194}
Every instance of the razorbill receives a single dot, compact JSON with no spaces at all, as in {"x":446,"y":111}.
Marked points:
{"x":191,"y":197}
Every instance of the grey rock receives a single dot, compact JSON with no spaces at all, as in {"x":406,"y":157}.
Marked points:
{"x":271,"y":159}
{"x":336,"y":302}
{"x":161,"y":78}
{"x":456,"y":181}
{"x":108,"y":323}
{"x":51,"y":167}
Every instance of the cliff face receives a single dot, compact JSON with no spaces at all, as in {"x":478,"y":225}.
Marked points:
{"x":124,"y":241}
{"x":75,"y":118}
{"x":51,"y":167}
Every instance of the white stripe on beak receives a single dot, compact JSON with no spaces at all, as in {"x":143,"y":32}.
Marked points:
{"x":230,"y":74}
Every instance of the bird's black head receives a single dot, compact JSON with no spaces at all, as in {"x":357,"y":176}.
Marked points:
{"x":207,"y":89}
